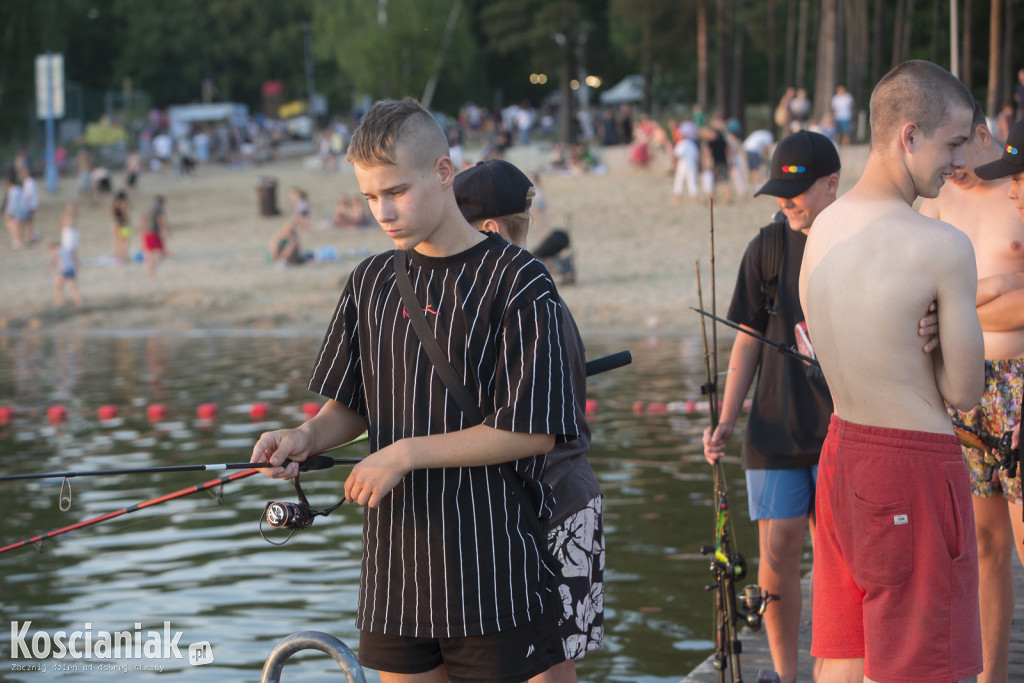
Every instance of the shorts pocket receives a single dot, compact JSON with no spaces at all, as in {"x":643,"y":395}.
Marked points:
{"x":958,"y":488}
{"x":883,"y":542}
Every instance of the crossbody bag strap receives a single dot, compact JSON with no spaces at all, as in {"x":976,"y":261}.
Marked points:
{"x":462,"y":396}
{"x":426,"y":336}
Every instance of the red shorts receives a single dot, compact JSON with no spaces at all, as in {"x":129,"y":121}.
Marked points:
{"x":895,"y":555}
{"x":151,"y":241}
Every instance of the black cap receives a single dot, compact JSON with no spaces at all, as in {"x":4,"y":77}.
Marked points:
{"x":799,"y":160}
{"x":491,"y":189}
{"x":1013,"y":157}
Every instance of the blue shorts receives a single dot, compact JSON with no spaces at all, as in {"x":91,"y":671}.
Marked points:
{"x":781,"y":494}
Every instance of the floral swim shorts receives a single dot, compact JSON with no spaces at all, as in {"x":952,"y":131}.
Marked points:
{"x":996,"y":414}
{"x":579,"y":543}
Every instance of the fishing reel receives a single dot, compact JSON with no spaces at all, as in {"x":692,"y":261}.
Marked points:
{"x":292,"y":516}
{"x":1009,"y":457}
{"x":733,"y":566}
{"x":753,"y":603}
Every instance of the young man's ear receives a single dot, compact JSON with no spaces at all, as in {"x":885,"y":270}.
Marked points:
{"x":984,"y":135}
{"x":445,"y":169}
{"x":491,"y":225}
{"x":909,"y":133}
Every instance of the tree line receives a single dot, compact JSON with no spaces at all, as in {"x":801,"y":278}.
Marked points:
{"x":722,"y":54}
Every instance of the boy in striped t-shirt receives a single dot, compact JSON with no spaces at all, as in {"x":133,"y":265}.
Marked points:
{"x":453,"y":583}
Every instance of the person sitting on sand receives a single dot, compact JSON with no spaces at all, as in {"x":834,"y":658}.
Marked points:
{"x":352,"y":212}
{"x":285,"y":248}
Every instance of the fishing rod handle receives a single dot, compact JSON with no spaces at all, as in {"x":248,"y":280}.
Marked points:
{"x":606,"y":363}
{"x":315,"y":462}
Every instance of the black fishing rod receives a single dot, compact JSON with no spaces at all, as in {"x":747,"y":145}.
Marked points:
{"x":313,"y":462}
{"x":1000,"y":446}
{"x":789,"y":350}
{"x":727,"y":565}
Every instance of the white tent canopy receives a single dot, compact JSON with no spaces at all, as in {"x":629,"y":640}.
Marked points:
{"x":629,"y":89}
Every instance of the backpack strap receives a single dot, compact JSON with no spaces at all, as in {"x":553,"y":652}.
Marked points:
{"x":773,"y":245}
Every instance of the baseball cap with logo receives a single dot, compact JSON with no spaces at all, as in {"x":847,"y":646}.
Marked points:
{"x":799,"y":160}
{"x":491,"y":189}
{"x":1012,"y":162}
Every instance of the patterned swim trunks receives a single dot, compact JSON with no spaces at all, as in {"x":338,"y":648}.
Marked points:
{"x":579,"y":543}
{"x":996,"y":414}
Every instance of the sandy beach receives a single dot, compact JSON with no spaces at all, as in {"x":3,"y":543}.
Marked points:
{"x":635,"y":252}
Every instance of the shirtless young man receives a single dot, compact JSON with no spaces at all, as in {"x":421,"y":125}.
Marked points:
{"x":978,"y":207}
{"x":895,"y":566}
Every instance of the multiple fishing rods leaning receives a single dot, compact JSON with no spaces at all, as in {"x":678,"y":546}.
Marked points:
{"x":728,"y":566}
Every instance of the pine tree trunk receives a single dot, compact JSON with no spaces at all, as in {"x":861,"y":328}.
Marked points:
{"x":825,"y":63}
{"x":965,"y":32}
{"x":995,"y":35}
{"x":724,"y":52}
{"x":789,"y":77}
{"x":801,"y":45}
{"x":878,"y":44}
{"x":702,"y":54}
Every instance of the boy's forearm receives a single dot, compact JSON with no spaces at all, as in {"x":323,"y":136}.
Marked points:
{"x":1004,"y":313}
{"x":472,"y":447}
{"x":335,"y":424}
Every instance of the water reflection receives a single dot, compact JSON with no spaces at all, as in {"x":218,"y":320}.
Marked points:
{"x":203,"y":566}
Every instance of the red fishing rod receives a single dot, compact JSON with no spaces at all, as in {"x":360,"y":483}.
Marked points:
{"x":313,"y":462}
{"x":132,"y":508}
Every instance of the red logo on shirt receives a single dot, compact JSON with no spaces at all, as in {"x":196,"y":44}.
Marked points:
{"x":426,"y":309}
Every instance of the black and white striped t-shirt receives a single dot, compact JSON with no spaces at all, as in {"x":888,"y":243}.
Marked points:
{"x":448,"y":553}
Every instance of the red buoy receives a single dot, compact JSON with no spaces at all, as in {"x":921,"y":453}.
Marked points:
{"x":57,"y":413}
{"x":206,"y":411}
{"x":259,"y":411}
{"x":156,"y":412}
{"x":107,"y":412}
{"x":6,"y":413}
{"x":591,"y":406}
{"x":310,"y":409}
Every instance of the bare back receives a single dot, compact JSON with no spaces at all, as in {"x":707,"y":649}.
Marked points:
{"x":870,"y":270}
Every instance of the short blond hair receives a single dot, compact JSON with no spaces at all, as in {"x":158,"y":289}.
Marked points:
{"x":389,"y":123}
{"x":919,"y":92}
{"x":515,"y":225}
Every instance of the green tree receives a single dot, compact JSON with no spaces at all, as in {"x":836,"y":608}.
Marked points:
{"x":235,"y":44}
{"x":388,"y":48}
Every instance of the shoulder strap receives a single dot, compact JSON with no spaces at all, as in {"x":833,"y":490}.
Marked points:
{"x":463,"y":398}
{"x":422,"y":328}
{"x":773,"y":245}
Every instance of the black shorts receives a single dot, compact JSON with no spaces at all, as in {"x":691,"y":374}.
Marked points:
{"x":509,"y":656}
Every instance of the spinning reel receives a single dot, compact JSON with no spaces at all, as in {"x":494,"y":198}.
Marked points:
{"x":293,"y":516}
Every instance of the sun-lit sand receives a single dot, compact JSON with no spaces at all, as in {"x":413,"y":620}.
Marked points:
{"x":635,"y":252}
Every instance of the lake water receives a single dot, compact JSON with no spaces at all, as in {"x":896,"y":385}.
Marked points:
{"x":203,"y":567}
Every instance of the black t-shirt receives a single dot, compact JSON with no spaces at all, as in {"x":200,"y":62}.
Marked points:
{"x":448,"y":552}
{"x":792,"y":406}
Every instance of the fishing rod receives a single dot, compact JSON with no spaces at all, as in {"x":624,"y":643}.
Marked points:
{"x":789,"y":350}
{"x":296,"y":516}
{"x":727,"y":565}
{"x":1000,"y":446}
{"x":38,"y":540}
{"x":313,"y":462}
